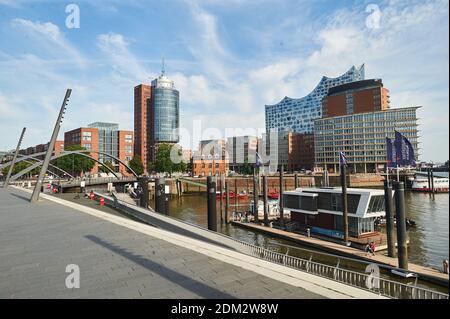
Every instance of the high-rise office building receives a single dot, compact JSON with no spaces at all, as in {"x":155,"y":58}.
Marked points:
{"x":241,"y":150}
{"x":142,"y":93}
{"x":362,"y":137}
{"x":156,"y":117}
{"x":164,"y":117}
{"x":298,"y":115}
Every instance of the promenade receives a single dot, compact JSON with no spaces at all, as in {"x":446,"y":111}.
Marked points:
{"x":122,"y":258}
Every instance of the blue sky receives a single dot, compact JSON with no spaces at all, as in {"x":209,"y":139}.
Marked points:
{"x":227,"y":58}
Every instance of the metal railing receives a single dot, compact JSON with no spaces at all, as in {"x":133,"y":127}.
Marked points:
{"x":369,"y":282}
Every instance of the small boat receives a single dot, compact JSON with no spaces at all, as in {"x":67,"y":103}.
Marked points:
{"x":403,"y":274}
{"x":273,"y":194}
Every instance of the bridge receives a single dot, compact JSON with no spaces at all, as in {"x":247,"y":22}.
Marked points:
{"x":122,"y":258}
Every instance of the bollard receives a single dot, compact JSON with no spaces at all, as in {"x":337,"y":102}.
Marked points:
{"x":143,"y":200}
{"x":401,"y":225}
{"x":432,"y":181}
{"x":389,"y":208}
{"x":429,"y":179}
{"x":102,"y":201}
{"x":295,"y":181}
{"x":227,"y":201}
{"x":211,"y":198}
{"x":280,"y":198}
{"x":160,"y":198}
{"x":266,"y":212}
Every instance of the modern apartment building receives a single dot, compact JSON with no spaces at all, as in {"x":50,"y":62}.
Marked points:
{"x":241,"y":150}
{"x":105,"y":138}
{"x":362,"y":137}
{"x":356,"y":97}
{"x":298,"y":115}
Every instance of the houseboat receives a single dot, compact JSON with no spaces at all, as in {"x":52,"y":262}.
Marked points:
{"x":320,"y":210}
{"x":273,"y":210}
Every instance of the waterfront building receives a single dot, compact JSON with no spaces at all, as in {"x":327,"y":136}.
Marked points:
{"x":295,"y":151}
{"x":362,"y":137}
{"x":142,"y":93}
{"x":298,"y":115}
{"x":103,"y":137}
{"x":241,"y":150}
{"x":156,"y":117}
{"x":356,"y":97}
{"x":59,"y":147}
{"x":211,"y":158}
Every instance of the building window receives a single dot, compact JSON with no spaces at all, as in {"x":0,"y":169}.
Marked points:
{"x":128,"y":149}
{"x":128,"y":138}
{"x":87,"y":146}
{"x":87,"y":136}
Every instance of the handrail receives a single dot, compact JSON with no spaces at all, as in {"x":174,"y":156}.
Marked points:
{"x":383,"y":286}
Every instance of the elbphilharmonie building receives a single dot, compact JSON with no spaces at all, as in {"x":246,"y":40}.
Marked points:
{"x":298,"y":115}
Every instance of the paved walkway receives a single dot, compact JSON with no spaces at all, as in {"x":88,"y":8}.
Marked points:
{"x":119,"y":258}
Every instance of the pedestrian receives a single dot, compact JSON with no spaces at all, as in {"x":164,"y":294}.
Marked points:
{"x":372,"y":248}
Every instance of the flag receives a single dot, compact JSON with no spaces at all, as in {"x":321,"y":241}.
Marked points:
{"x":342,"y":159}
{"x":404,"y":151}
{"x":258,"y":162}
{"x":391,"y":154}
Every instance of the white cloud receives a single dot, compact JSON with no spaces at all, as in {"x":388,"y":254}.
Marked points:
{"x":49,"y":35}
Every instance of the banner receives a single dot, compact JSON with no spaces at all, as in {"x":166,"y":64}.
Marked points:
{"x":402,"y":152}
{"x":391,"y":154}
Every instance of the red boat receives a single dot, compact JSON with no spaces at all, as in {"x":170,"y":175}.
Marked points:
{"x":273,"y":194}
{"x":232,"y":194}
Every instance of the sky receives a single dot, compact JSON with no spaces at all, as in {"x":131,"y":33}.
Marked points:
{"x":228,"y":59}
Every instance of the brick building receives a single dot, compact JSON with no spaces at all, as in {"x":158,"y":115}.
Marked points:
{"x":356,"y":97}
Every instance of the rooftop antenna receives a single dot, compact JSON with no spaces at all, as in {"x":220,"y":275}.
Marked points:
{"x":163,"y":70}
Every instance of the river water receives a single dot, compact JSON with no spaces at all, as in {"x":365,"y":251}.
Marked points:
{"x":429,"y":241}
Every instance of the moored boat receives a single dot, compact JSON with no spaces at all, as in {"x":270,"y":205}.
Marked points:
{"x":420,"y":184}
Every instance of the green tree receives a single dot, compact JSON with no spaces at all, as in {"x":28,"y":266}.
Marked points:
{"x":17,"y":168}
{"x":164,"y":164}
{"x":136,"y":165}
{"x":108,"y":164}
{"x":75,"y":163}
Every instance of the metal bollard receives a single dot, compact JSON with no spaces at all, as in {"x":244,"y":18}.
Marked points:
{"x":211,"y":198}
{"x":160,"y":197}
{"x":401,"y":225}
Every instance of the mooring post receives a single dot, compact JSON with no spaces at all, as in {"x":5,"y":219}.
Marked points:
{"x":221,"y":186}
{"x":8,"y":176}
{"x":389,"y":208}
{"x":143,"y":198}
{"x":296,"y":180}
{"x":255,"y":197}
{"x":265,"y":200}
{"x":401,"y":225}
{"x":432,"y":180}
{"x":227,"y":201}
{"x":51,"y":147}
{"x":211,"y":197}
{"x":280,"y":199}
{"x":429,"y":178}
{"x":344,"y":201}
{"x":160,"y":190}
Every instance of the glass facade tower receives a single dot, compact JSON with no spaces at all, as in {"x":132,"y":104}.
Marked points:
{"x":298,"y":115}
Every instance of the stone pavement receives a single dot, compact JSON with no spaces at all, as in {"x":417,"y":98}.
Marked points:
{"x":38,"y":241}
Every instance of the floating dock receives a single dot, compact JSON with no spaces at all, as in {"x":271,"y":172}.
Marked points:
{"x":425,"y":273}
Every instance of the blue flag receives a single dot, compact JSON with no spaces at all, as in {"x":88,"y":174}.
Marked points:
{"x":404,"y":151}
{"x":390,"y":152}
